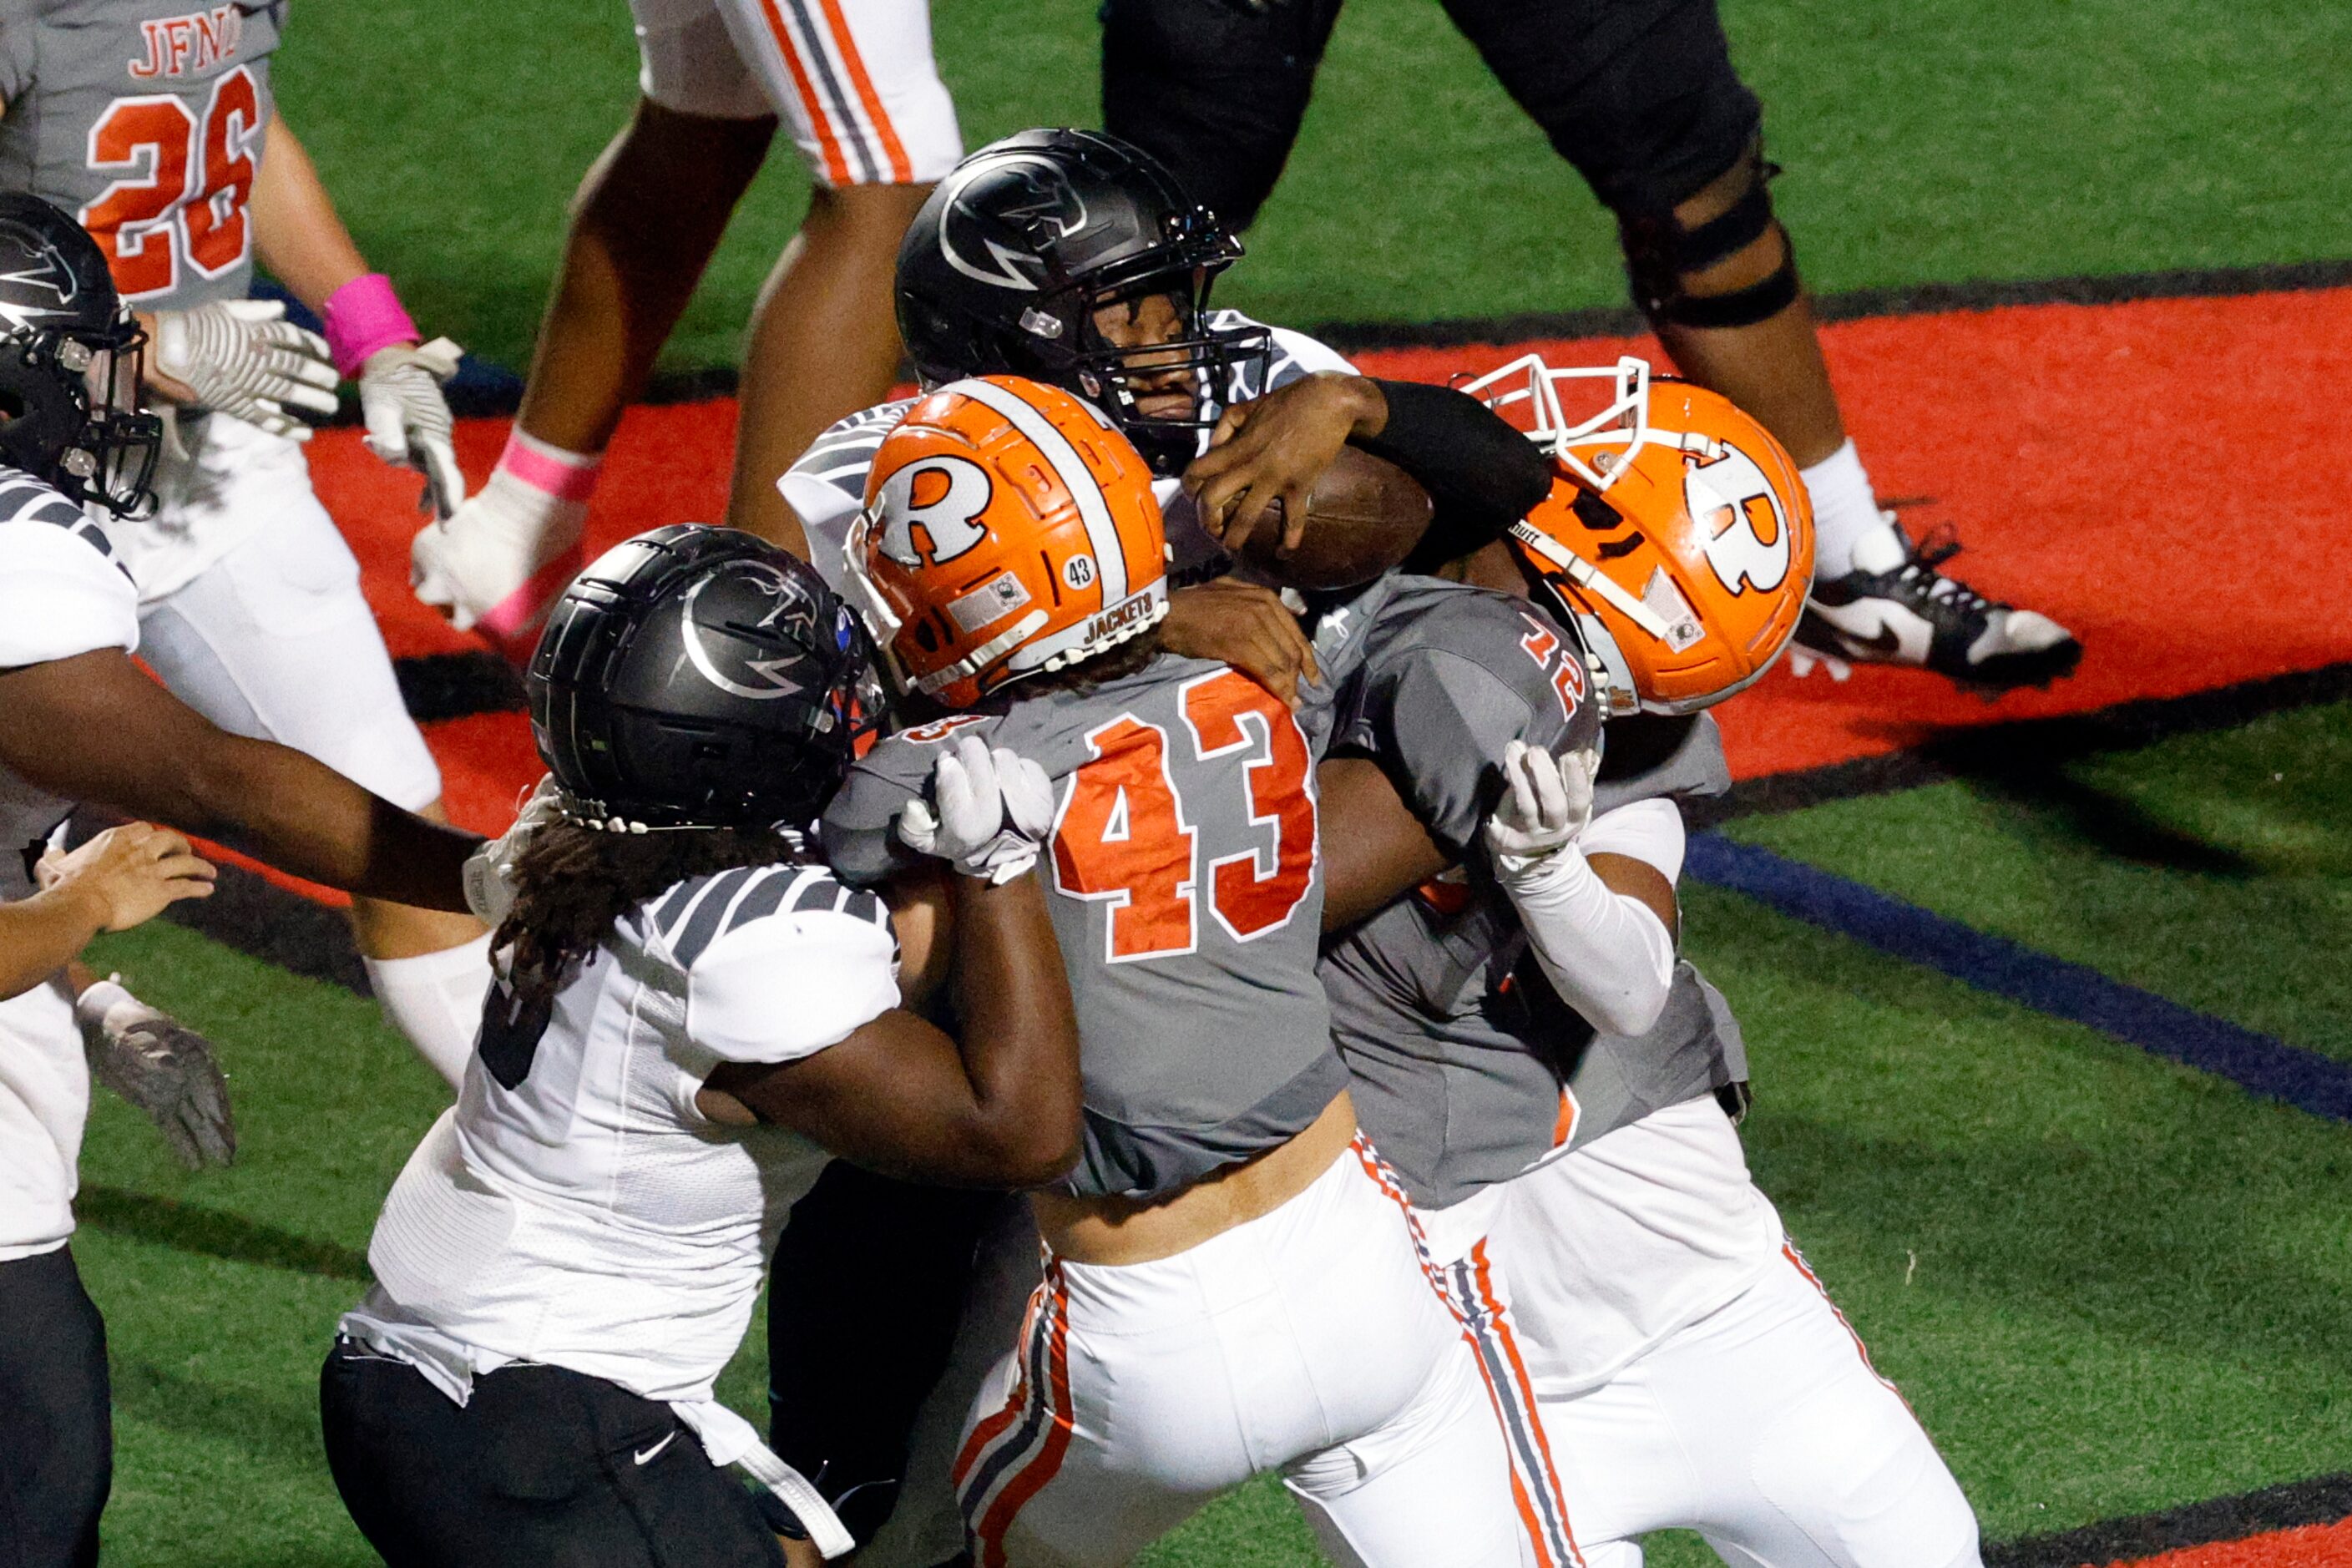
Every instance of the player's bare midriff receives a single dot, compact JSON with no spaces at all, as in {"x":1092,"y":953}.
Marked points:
{"x":1126,"y":1230}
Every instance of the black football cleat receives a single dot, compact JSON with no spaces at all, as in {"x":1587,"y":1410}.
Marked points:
{"x":1914,"y":615}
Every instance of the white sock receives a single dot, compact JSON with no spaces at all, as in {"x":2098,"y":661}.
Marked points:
{"x":1850,"y":534}
{"x":435,"y":999}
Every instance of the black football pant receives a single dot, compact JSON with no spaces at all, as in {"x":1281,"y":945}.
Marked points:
{"x":862,"y":1302}
{"x":1639,"y":95}
{"x":542,"y":1466}
{"x":57,"y":1436}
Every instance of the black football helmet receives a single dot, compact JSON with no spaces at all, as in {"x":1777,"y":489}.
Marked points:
{"x":699,"y":677}
{"x":1003,"y":270}
{"x":69,"y":364}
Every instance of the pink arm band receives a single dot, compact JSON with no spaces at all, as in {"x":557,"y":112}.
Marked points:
{"x":363,"y":316}
{"x":566,"y":476}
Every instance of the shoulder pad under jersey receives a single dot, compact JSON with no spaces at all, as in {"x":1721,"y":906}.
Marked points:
{"x":826,"y":486}
{"x":62,"y":592}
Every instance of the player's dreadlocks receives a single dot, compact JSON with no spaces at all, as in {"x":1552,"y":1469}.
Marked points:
{"x":1114,"y":663}
{"x":572,"y":882}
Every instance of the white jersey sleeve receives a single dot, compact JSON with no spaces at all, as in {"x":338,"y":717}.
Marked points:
{"x":826,"y":487}
{"x":61,"y":593}
{"x":1295,"y":355}
{"x":781,"y":963}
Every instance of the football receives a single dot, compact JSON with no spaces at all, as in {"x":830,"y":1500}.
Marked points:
{"x":1363,"y":516}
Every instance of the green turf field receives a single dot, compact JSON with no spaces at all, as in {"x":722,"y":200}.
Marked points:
{"x":1925,"y":140}
{"x":2107,"y":1283}
{"x":2103,"y":1280}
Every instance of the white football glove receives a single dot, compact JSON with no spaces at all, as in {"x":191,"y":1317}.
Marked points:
{"x":491,"y":868}
{"x":161,"y":1065}
{"x":408,"y":420}
{"x":1545,"y":804}
{"x":496,"y":544}
{"x":989,"y":811}
{"x":242,"y":358}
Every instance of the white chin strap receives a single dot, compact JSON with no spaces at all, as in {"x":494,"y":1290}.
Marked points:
{"x":1590,"y":578}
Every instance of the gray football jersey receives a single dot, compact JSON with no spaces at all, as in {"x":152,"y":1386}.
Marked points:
{"x":1466,"y":1068}
{"x":145,"y":119}
{"x":1186,"y":885}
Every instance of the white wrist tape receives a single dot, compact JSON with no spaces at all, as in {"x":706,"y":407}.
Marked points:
{"x":1608,"y":956}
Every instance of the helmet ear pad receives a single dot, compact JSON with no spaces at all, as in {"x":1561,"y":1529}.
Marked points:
{"x":698,"y":676}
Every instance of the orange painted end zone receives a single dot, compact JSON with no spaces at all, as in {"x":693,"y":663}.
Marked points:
{"x":2313,"y":1546}
{"x":2163,"y":476}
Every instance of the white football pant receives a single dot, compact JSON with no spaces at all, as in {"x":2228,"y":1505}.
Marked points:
{"x":854,"y":79}
{"x":1310,"y":1341}
{"x":273,"y":639}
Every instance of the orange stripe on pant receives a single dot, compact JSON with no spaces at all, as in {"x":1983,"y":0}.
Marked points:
{"x":901,"y":170}
{"x":1481,"y":1271}
{"x":836,"y":167}
{"x":1797,"y":1261}
{"x":995,"y":1426}
{"x":1028,"y":1481}
{"x":1385,"y":1179}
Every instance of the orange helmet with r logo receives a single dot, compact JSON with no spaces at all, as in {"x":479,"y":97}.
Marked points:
{"x":1008,"y":529}
{"x":1678,"y":535}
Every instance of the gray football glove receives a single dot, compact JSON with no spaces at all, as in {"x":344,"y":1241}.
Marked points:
{"x":408,"y":420}
{"x":161,"y":1065}
{"x":242,"y":358}
{"x":489,"y":870}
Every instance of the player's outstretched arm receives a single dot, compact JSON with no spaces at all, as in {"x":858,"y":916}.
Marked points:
{"x":95,"y":728}
{"x":1481,"y":474}
{"x":999,"y":1108}
{"x":1375,"y":850}
{"x":301,"y":239}
{"x":124,"y":877}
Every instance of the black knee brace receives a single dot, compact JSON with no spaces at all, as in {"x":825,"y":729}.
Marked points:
{"x":1661,"y":252}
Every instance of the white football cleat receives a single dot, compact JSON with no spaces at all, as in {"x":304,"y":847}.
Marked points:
{"x":1909,"y":613}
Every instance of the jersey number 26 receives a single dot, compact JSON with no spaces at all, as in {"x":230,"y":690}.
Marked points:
{"x":1125,"y":840}
{"x":182,"y":188}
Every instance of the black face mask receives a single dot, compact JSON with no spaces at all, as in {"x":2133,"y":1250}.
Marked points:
{"x":71,"y":416}
{"x":1215,"y":369}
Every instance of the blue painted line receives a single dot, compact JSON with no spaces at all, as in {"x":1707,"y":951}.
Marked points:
{"x":2262,"y":1065}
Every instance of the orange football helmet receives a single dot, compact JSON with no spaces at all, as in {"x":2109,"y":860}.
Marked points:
{"x":1678,"y":535}
{"x":1008,"y":529}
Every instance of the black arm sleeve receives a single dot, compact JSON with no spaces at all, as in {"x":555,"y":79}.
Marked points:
{"x":1481,"y":474}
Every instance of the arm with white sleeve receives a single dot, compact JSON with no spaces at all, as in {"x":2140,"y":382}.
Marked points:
{"x":1610,"y":954}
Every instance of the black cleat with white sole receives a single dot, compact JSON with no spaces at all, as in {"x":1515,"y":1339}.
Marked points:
{"x":1914,"y":615}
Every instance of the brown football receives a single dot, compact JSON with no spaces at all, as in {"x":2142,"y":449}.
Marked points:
{"x":1363,"y":516}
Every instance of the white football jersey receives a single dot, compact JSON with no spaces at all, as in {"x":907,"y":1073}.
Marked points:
{"x":61,"y":594}
{"x":574,"y":1208}
{"x":826,"y":487}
